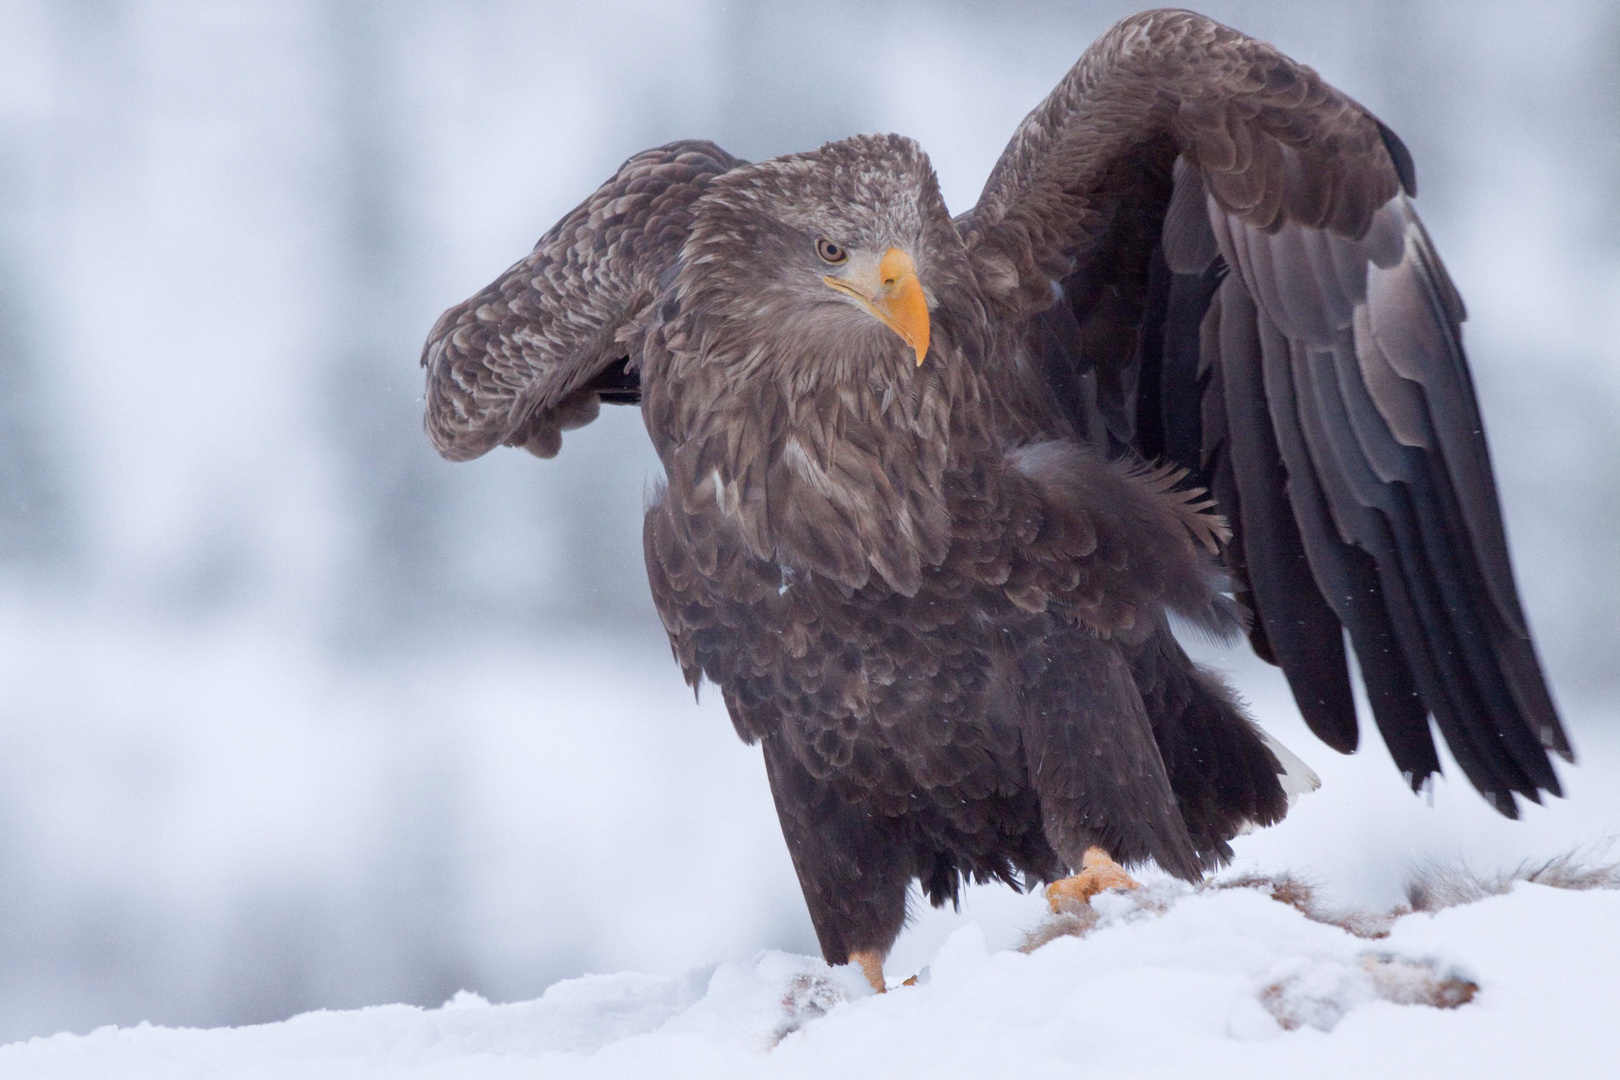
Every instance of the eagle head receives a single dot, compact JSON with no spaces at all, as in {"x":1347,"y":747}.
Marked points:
{"x":840,"y":265}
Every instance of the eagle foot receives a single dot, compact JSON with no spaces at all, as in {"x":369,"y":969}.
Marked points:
{"x":871,"y":965}
{"x":1098,"y":871}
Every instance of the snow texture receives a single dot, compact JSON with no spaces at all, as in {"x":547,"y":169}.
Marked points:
{"x":1169,"y":981}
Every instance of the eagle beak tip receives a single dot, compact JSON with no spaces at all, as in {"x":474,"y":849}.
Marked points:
{"x":895,"y":296}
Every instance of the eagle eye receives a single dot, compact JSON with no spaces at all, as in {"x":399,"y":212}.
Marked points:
{"x":831,"y":252}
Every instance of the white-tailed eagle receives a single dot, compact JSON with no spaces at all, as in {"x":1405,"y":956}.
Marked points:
{"x":935,"y":483}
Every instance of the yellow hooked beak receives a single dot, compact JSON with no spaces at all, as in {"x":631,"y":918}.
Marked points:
{"x":894,"y":295}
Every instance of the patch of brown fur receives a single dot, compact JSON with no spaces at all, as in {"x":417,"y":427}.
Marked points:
{"x":1275,"y":1000}
{"x":809,"y":997}
{"x":1411,"y":982}
{"x":1394,"y":979}
{"x":1436,"y":888}
{"x":1076,"y":918}
{"x":1301,"y":896}
{"x":1433,"y":889}
{"x":1073,"y":921}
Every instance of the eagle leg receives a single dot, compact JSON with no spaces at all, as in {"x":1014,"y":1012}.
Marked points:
{"x":871,"y":965}
{"x":1098,"y":871}
{"x":853,"y":865}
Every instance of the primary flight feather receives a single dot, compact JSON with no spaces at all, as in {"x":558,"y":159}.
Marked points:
{"x":934,"y":484}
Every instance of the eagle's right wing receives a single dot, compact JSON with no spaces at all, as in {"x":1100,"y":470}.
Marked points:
{"x":538,"y":350}
{"x":1210,"y":256}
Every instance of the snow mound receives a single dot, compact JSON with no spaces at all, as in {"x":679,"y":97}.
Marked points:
{"x":1237,"y":979}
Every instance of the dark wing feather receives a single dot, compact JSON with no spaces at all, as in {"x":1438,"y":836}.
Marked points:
{"x":1222,"y":247}
{"x":537,"y":351}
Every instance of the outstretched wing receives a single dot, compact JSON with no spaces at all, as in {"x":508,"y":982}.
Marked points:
{"x":1207,"y":254}
{"x":537,"y":351}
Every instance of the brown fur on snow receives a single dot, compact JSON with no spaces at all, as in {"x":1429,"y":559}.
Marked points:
{"x":1433,"y":888}
{"x":1401,"y":980}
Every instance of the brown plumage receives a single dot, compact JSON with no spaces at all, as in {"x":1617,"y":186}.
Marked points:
{"x":927,"y":505}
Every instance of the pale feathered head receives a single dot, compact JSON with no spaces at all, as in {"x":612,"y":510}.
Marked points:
{"x":841,"y":263}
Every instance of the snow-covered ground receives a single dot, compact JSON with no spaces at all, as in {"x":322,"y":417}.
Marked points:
{"x":629,"y":831}
{"x":212,"y":829}
{"x":1168,"y":983}
{"x":231,"y":826}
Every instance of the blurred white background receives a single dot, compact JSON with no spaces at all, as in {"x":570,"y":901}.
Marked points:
{"x":295,"y":715}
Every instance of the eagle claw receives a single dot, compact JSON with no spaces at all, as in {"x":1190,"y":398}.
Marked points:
{"x":1098,"y":871}
{"x":871,"y":965}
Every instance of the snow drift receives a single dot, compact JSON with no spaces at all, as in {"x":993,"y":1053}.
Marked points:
{"x":1247,"y":977}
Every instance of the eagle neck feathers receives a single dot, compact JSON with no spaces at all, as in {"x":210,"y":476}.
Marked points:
{"x":824,"y":457}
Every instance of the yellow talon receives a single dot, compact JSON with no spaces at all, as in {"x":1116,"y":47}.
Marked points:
{"x":1098,"y":871}
{"x":871,"y":965}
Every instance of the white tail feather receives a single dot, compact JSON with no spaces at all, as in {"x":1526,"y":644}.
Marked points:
{"x":1297,"y":778}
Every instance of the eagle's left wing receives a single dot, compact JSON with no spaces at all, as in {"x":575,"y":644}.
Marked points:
{"x":539,"y":349}
{"x":1208,"y":255}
